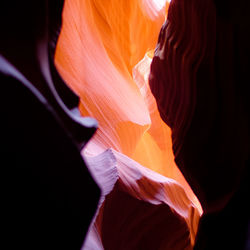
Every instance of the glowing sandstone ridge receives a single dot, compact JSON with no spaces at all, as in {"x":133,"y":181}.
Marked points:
{"x":104,"y":54}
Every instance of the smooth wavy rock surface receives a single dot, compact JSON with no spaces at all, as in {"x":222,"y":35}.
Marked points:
{"x":102,"y":69}
{"x":104,"y":55}
{"x":200,"y":94}
{"x":139,"y":208}
{"x":97,"y":49}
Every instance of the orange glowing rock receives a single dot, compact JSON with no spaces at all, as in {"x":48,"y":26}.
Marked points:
{"x":103,"y":54}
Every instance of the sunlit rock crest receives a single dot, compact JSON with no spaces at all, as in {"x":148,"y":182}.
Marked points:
{"x":139,"y":208}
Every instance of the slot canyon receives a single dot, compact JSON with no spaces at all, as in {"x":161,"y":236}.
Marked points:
{"x":125,"y":124}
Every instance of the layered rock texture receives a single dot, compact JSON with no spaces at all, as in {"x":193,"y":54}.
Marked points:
{"x":193,"y":80}
{"x":173,"y":124}
{"x":139,"y":208}
{"x":199,"y":79}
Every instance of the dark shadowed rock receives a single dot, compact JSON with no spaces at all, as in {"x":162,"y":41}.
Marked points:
{"x":48,"y":196}
{"x":200,"y":77}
